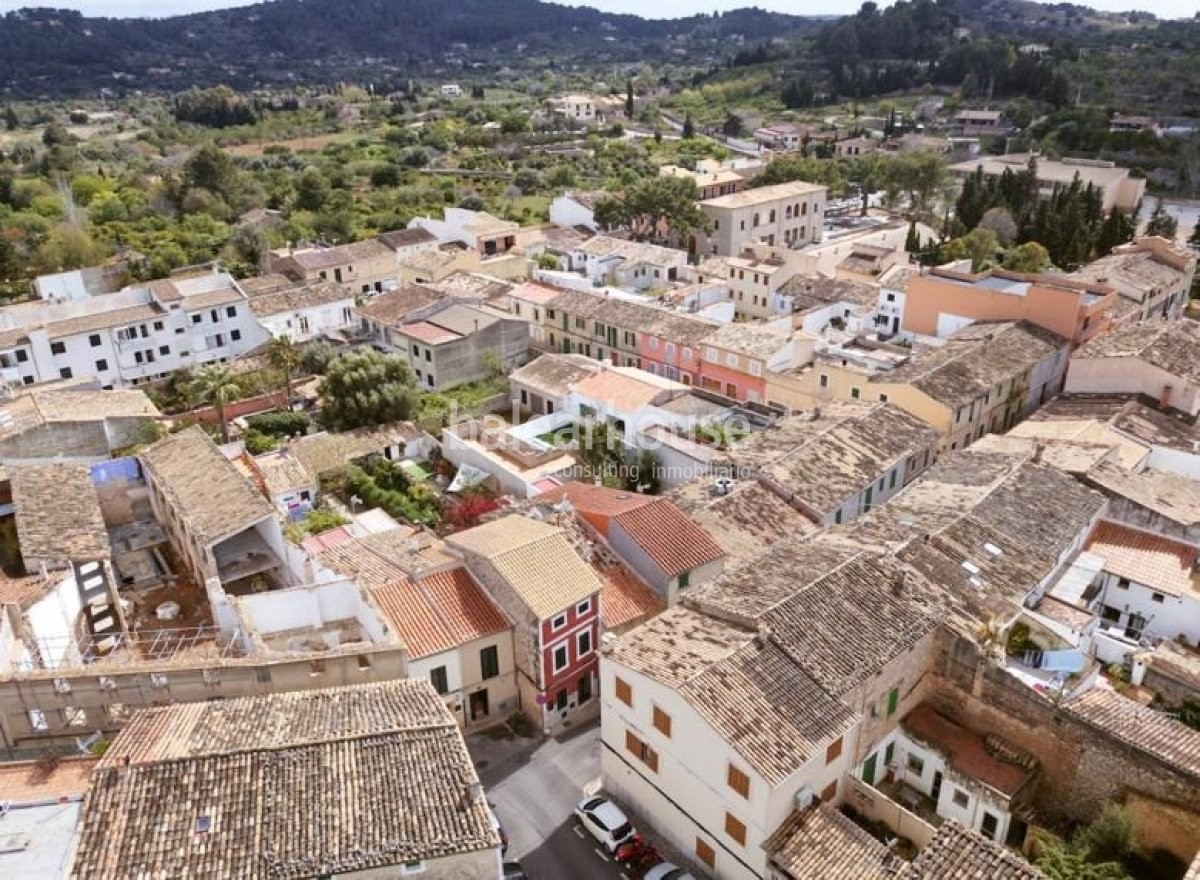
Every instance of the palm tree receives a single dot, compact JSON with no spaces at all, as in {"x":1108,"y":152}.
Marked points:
{"x":283,"y":355}
{"x":216,"y":384}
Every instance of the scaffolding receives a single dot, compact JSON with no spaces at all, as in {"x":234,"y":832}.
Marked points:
{"x":196,"y":645}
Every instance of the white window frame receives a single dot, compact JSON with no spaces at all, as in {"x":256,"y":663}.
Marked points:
{"x":579,"y":636}
{"x":554,"y":657}
{"x":584,"y":607}
{"x":558,"y":621}
{"x":418,"y":868}
{"x":756,"y":368}
{"x":731,"y":360}
{"x":711,"y":354}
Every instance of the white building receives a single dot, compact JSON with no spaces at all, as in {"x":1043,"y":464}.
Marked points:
{"x":300,"y":311}
{"x":1149,"y":587}
{"x":1160,"y":360}
{"x":137,"y":335}
{"x":451,"y":90}
{"x":933,"y":763}
{"x":574,"y":209}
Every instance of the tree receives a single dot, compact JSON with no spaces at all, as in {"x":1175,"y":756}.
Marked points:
{"x":385,"y":176}
{"x":1001,"y":222}
{"x":283,"y":355}
{"x":1161,"y":223}
{"x":1060,"y":861}
{"x":1029,"y":257}
{"x":629,"y":99}
{"x":1194,"y":241}
{"x":366,"y":387}
{"x":732,"y":126}
{"x":1118,"y":228}
{"x":11,"y":120}
{"x":215,"y":384}
{"x":979,"y":245}
{"x":689,"y":127}
{"x":312,"y":190}
{"x":912,"y":241}
{"x":1111,"y":836}
{"x":654,"y":208}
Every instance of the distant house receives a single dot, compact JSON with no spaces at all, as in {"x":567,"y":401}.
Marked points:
{"x":1116,"y":187}
{"x":365,"y":266}
{"x":451,"y":90}
{"x":478,"y":230}
{"x":575,"y":209}
{"x":981,"y":122}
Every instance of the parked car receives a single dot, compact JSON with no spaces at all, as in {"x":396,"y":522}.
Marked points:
{"x":667,"y":871}
{"x":605,"y":821}
{"x":514,"y":871}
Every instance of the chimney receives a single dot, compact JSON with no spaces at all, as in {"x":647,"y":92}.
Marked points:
{"x":1038,"y":449}
{"x":1164,"y":396}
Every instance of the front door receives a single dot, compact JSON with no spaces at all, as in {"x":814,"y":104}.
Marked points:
{"x":479,"y":704}
{"x":937,"y":786}
{"x":869,"y":770}
{"x":585,"y":689}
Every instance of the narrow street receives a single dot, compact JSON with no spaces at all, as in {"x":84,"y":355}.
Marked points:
{"x":534,"y":785}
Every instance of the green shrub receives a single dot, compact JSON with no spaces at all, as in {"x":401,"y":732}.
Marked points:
{"x":280,"y":423}
{"x":257,"y":442}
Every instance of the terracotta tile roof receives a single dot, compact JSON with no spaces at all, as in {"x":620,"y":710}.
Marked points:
{"x":535,"y":559}
{"x":959,"y":853}
{"x":1177,"y":662}
{"x":820,"y":843}
{"x":1141,"y":727}
{"x":49,"y":526}
{"x":966,"y":751}
{"x":622,"y":393}
{"x":375,"y":560}
{"x":1161,"y":492}
{"x":677,"y":645}
{"x":309,"y":295}
{"x":850,"y":623}
{"x":748,"y":520}
{"x":1172,"y":346}
{"x":24,"y":592}
{"x":402,"y":238}
{"x":394,"y":306}
{"x":430,"y":333}
{"x":282,"y":473}
{"x":1157,"y":562}
{"x":793,"y":716}
{"x":625,"y":599}
{"x":532,"y":291}
{"x":596,"y":502}
{"x":554,"y":374}
{"x":327,"y":451}
{"x":439,"y":611}
{"x":102,"y":320}
{"x":207,"y":491}
{"x":386,"y":762}
{"x":674,"y":542}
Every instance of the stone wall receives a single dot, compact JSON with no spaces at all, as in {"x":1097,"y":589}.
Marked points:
{"x":1081,"y":766}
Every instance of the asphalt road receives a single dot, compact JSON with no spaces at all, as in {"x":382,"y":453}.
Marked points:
{"x":534,"y":788}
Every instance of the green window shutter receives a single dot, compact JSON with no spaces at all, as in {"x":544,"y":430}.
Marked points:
{"x":893,"y":700}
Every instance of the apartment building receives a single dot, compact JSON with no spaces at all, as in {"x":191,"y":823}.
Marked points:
{"x":940,"y":301}
{"x":714,"y":179}
{"x":132,"y":337}
{"x":756,"y":277}
{"x":1152,"y":277}
{"x":985,"y":378}
{"x":736,"y":359}
{"x":1117,"y":188}
{"x":787,"y":214}
{"x":835,"y":462}
{"x":981,"y":122}
{"x":628,"y":333}
{"x":533,"y":573}
{"x":1160,"y":360}
{"x":233,"y":778}
{"x":300,"y":311}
